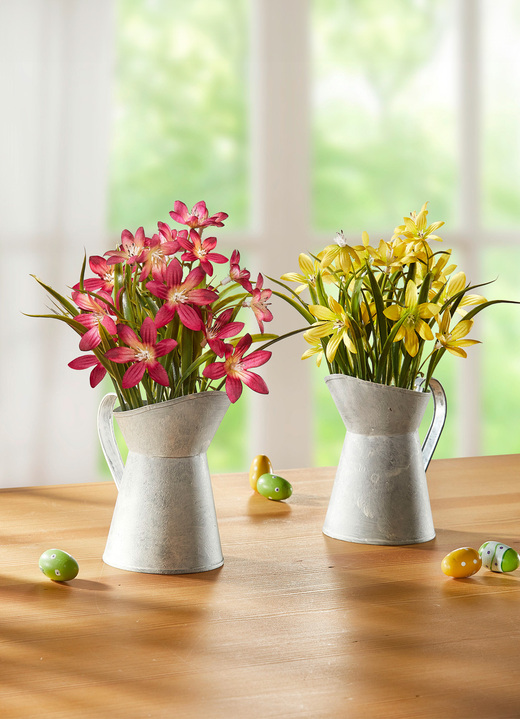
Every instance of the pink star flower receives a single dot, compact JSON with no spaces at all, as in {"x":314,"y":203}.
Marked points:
{"x":198,"y":217}
{"x":258,"y":303}
{"x":235,"y":369}
{"x":105,"y":276}
{"x":154,"y":257}
{"x":220,"y":329}
{"x":142,"y":353}
{"x":86,"y":362}
{"x":179,"y":295}
{"x":168,"y":235}
{"x":130,"y":250}
{"x":201,"y":250}
{"x":97,"y":314}
{"x":238,"y":275}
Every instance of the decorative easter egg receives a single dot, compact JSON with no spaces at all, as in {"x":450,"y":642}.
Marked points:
{"x":260,"y":465}
{"x":462,"y":562}
{"x":499,"y":557}
{"x":273,"y":487}
{"x":58,"y":565}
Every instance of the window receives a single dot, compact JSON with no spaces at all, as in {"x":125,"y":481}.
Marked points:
{"x":306,"y":116}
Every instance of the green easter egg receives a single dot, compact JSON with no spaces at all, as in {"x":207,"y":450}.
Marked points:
{"x":58,"y":565}
{"x":273,"y":487}
{"x":499,"y":557}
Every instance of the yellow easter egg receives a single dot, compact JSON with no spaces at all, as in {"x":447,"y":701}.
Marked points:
{"x":462,"y":562}
{"x":260,"y":465}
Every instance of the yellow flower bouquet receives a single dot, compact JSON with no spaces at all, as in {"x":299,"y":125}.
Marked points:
{"x":385,"y":313}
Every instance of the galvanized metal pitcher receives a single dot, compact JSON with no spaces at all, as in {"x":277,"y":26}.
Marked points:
{"x":380,"y":494}
{"x":164,"y":521}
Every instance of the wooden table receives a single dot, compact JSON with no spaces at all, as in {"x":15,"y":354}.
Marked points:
{"x":293,"y":625}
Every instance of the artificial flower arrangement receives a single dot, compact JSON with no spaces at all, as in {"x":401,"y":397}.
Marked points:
{"x":385,"y":314}
{"x":154,"y":318}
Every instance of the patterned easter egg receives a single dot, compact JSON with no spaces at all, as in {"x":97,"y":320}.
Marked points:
{"x":499,"y":557}
{"x":260,"y":465}
{"x":462,"y":562}
{"x":58,"y":565}
{"x":273,"y":487}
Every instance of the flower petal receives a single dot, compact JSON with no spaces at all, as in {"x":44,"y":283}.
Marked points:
{"x":411,"y":342}
{"x":322,"y":313}
{"x":202,"y":297}
{"x":231,"y":330}
{"x":193,"y":279}
{"x":149,"y":331}
{"x":306,"y":264}
{"x":461,"y":329}
{"x":158,"y":373}
{"x":393,"y":312}
{"x":165,"y":315}
{"x":90,"y":339}
{"x":243,"y":345}
{"x":233,"y":388}
{"x":216,"y":370}
{"x":217,"y":257}
{"x":332,"y":346}
{"x":120,"y":354}
{"x":173,"y":273}
{"x":133,"y":375}
{"x":256,"y":359}
{"x":410,"y":296}
{"x":158,"y":289}
{"x":424,"y":330}
{"x":84,"y":362}
{"x":179,"y":212}
{"x":164,"y":347}
{"x":97,"y":375}
{"x":128,"y":336}
{"x":200,"y":210}
{"x":109,"y":324}
{"x":188,"y":316}
{"x":255,"y":382}
{"x":318,"y":330}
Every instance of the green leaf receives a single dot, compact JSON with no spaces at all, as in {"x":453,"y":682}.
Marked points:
{"x":298,"y":307}
{"x":77,"y":326}
{"x":62,"y":300}
{"x":228,"y":302}
{"x":380,"y":306}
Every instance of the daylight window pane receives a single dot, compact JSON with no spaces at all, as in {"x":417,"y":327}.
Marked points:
{"x":501,"y":355}
{"x":501,"y":113}
{"x":181,"y":116}
{"x":384,"y":130}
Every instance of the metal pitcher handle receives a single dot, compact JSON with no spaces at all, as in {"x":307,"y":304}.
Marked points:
{"x":107,"y":438}
{"x":440,"y":408}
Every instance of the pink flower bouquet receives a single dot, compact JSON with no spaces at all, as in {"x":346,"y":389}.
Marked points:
{"x":154,"y":318}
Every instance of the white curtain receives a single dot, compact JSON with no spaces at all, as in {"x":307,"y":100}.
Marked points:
{"x":55,"y":84}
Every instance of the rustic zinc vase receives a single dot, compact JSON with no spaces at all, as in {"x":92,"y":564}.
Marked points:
{"x":164,"y":521}
{"x":380,"y":494}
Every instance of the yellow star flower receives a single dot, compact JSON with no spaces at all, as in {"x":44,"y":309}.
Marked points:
{"x":455,"y":285}
{"x":452,"y":340}
{"x":438,"y":266}
{"x":364,"y":251}
{"x":391,"y":256}
{"x":309,"y":269}
{"x":416,"y":226}
{"x":413,"y":325}
{"x":316,"y":350}
{"x":342,"y":252}
{"x":333,"y":323}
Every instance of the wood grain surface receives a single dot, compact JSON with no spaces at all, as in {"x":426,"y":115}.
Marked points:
{"x":293,"y":625}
